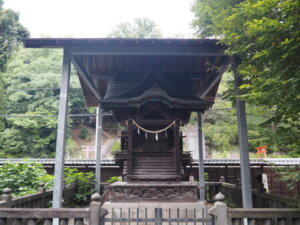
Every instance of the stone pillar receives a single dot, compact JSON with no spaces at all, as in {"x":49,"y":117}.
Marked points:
{"x":42,"y":203}
{"x":95,"y":209}
{"x":6,"y":196}
{"x":219,"y":210}
{"x":97,"y":213}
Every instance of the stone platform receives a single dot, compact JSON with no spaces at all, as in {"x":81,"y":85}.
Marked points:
{"x":153,"y":192}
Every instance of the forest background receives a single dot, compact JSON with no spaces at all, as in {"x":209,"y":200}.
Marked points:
{"x":262,"y":33}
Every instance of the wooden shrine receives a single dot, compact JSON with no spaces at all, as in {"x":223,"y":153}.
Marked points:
{"x":152,"y":86}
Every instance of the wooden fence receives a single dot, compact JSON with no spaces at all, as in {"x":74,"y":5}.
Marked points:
{"x":40,"y":199}
{"x":77,"y":216}
{"x":261,"y":199}
{"x":257,"y":216}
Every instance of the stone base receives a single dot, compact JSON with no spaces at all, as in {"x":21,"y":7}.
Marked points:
{"x":153,"y":192}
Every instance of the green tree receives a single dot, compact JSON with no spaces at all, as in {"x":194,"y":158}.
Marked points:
{"x":11,"y":32}
{"x":21,"y":178}
{"x":140,"y":28}
{"x":32,"y":84}
{"x":264,"y":34}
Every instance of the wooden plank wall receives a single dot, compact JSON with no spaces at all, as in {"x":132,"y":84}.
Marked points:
{"x":231,"y":174}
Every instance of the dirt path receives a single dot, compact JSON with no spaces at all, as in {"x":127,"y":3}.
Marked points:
{"x":106,"y":148}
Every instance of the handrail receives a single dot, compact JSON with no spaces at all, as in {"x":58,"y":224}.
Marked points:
{"x":36,"y":213}
{"x":105,"y":196}
{"x":263,"y":213}
{"x":261,"y":199}
{"x":39,"y":199}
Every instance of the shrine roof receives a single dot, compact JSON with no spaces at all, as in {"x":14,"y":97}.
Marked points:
{"x":191,"y":66}
{"x":63,"y":42}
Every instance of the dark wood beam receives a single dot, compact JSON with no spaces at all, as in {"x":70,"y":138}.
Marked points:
{"x":98,"y":76}
{"x":149,"y":50}
{"x":130,"y":152}
{"x":153,"y":122}
{"x":85,"y":77}
{"x":214,"y":81}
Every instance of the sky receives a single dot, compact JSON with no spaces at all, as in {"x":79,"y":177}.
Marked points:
{"x":97,"y":18}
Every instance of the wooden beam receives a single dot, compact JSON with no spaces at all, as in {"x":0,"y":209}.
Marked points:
{"x":177,"y":152}
{"x":130,"y":152}
{"x":85,"y":77}
{"x":201,"y":146}
{"x":109,"y":75}
{"x":150,"y":50}
{"x":153,"y":122}
{"x":215,"y":80}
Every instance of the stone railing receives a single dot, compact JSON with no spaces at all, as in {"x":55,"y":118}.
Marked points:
{"x":78,"y":216}
{"x":233,"y":195}
{"x":237,"y":216}
{"x":36,"y":200}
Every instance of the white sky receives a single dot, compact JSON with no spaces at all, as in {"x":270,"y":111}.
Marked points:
{"x":96,"y":18}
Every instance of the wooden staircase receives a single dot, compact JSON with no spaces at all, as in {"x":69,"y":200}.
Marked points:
{"x":152,"y":168}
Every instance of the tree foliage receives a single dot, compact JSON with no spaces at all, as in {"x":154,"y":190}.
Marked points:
{"x":24,"y":178}
{"x":220,"y":126}
{"x":140,"y":28}
{"x":11,"y":32}
{"x":32,"y":84}
{"x":265,"y":35}
{"x":84,"y":181}
{"x":21,"y":178}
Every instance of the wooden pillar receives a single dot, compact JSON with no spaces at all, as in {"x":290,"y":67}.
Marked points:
{"x":177,"y":151}
{"x":130,"y":151}
{"x":98,"y":147}
{"x":243,"y":144}
{"x":201,"y":158}
{"x":61,"y":130}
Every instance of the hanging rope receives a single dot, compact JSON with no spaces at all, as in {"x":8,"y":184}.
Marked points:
{"x":154,"y":131}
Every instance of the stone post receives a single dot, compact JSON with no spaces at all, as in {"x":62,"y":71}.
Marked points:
{"x":6,"y":196}
{"x":219,"y":210}
{"x":41,"y":188}
{"x":222,"y":179}
{"x":96,"y":212}
{"x":42,"y":203}
{"x":95,"y":206}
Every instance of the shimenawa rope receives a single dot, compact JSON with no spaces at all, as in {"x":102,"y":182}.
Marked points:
{"x":153,"y":131}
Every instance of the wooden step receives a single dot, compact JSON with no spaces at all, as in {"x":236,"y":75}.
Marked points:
{"x":153,"y":166}
{"x":153,"y":171}
{"x":154,"y":177}
{"x":154,"y":174}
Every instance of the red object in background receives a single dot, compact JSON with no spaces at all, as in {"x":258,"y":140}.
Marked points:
{"x":261,"y":150}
